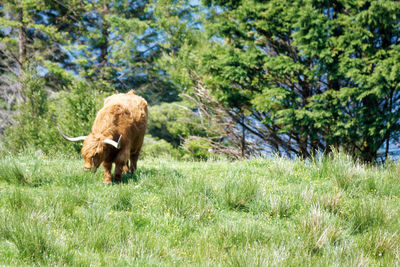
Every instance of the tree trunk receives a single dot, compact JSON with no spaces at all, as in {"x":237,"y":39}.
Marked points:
{"x":104,"y":36}
{"x":22,"y":42}
{"x":243,"y":138}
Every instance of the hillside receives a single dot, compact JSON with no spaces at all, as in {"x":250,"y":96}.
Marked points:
{"x":244,"y":213}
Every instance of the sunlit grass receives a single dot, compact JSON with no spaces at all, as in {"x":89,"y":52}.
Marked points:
{"x":243,"y":213}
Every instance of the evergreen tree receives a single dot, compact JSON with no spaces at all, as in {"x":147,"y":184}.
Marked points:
{"x":119,"y":45}
{"x":26,"y":38}
{"x":114,"y":44}
{"x":309,"y":75}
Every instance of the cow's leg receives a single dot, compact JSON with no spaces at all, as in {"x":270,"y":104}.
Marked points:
{"x":118,"y":172}
{"x":107,"y":172}
{"x":133,"y":162}
{"x":120,"y":164}
{"x":135,"y":155}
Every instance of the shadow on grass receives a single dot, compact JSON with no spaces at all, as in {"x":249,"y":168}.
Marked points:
{"x":126,"y":177}
{"x":136,"y":176}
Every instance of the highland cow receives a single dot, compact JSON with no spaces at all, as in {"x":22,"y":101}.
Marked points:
{"x":116,"y":137}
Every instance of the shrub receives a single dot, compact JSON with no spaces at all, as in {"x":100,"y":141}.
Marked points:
{"x":175,"y":122}
{"x":154,"y":147}
{"x":35,"y":126}
{"x":76,"y":110}
{"x":184,"y":128}
{"x":32,"y":119}
{"x":196,"y":148}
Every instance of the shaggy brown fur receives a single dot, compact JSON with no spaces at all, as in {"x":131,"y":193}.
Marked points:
{"x":122,"y":115}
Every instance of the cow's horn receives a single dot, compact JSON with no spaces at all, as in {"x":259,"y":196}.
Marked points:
{"x":71,"y":139}
{"x":117,"y":145}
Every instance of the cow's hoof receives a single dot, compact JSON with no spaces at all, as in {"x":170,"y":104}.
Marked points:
{"x":117,"y":180}
{"x":107,"y":181}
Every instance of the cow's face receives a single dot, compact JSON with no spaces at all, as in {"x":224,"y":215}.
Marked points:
{"x":92,"y":163}
{"x":92,"y":152}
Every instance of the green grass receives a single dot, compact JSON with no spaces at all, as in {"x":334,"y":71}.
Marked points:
{"x":216,"y":213}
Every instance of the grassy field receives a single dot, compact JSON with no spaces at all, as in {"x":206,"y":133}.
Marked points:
{"x":216,"y":213}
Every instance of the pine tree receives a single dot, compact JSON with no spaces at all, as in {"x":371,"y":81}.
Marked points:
{"x":309,"y":75}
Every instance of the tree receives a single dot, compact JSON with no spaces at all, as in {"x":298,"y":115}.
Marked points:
{"x":104,"y":46}
{"x":184,"y":40}
{"x":25,"y":38}
{"x":309,"y":75}
{"x":111,"y":43}
{"x":119,"y":45}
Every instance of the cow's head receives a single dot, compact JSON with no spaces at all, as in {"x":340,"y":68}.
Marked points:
{"x":93,"y":148}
